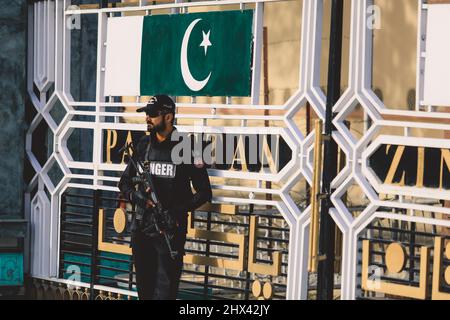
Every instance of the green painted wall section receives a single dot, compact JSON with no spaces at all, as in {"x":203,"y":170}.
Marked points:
{"x":13,"y":24}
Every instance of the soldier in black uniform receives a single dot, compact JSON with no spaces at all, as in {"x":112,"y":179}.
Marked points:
{"x":157,"y":273}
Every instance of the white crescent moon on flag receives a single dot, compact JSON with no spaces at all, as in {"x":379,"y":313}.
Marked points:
{"x":191,"y":82}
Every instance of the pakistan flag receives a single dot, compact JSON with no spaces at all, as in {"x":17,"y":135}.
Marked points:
{"x":196,"y":54}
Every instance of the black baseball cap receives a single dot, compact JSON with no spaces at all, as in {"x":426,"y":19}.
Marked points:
{"x":158,"y":105}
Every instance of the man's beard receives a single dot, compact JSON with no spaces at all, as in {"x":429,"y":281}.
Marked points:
{"x":158,"y":128}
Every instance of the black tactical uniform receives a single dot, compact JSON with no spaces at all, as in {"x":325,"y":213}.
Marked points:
{"x":157,"y":274}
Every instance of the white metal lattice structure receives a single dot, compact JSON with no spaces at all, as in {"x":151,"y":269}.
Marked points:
{"x":298,"y":166}
{"x":358,"y":151}
{"x":53,"y":45}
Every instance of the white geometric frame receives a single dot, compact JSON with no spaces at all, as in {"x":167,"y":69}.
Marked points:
{"x":309,"y":90}
{"x":357,"y":152}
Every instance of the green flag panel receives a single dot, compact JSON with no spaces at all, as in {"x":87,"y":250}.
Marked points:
{"x":197,"y":54}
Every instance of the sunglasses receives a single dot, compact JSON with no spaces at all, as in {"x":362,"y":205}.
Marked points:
{"x":159,"y":113}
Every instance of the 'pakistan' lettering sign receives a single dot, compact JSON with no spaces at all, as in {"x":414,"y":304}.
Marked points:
{"x":241,"y":152}
{"x":413,"y":166}
{"x":196,"y":54}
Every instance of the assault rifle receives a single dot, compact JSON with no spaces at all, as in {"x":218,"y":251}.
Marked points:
{"x":156,"y":220}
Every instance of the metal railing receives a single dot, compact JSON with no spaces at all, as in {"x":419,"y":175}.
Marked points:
{"x":82,"y":261}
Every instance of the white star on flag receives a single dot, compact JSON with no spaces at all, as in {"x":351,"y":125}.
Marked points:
{"x":206,"y":43}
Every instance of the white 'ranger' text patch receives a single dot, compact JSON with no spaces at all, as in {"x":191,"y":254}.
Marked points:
{"x":163,"y":169}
